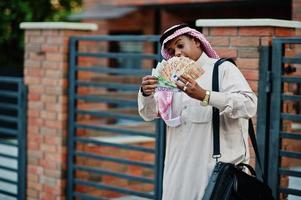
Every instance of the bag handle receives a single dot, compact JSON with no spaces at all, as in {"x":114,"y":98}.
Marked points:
{"x":216,"y":122}
{"x":249,"y":167}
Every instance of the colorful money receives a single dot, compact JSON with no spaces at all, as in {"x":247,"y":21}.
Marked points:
{"x":168,"y":72}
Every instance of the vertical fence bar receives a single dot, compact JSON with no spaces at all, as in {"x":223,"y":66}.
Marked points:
{"x":22,"y":141}
{"x":276,"y":125}
{"x":160,"y":147}
{"x":72,"y":103}
{"x":264,"y":89}
{"x":160,"y":156}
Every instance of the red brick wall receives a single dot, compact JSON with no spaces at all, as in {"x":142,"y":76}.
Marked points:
{"x":242,"y":44}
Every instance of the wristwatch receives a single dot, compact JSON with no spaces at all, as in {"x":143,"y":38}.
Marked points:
{"x":205,"y":101}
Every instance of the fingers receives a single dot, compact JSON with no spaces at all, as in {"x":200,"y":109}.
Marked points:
{"x":186,"y":79}
{"x":149,"y":80}
{"x":182,"y":85}
{"x":148,"y":91}
{"x":149,"y":84}
{"x":188,"y":85}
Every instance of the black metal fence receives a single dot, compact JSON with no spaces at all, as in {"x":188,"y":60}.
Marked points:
{"x":12,"y":138}
{"x":279,"y":116}
{"x":112,"y":152}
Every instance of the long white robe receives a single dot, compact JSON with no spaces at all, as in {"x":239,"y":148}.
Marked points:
{"x":188,"y":160}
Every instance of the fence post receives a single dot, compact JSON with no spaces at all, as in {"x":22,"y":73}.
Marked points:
{"x":263,"y":109}
{"x":46,"y":76}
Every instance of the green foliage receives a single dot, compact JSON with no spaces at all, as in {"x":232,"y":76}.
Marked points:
{"x":13,"y":12}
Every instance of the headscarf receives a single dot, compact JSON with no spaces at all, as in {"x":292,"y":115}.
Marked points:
{"x":182,"y":29}
{"x":165,"y":97}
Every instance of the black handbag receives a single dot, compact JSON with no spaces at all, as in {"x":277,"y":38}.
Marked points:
{"x":229,"y":181}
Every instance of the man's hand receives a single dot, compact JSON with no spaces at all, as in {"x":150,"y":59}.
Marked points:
{"x":191,"y":87}
{"x":148,"y":85}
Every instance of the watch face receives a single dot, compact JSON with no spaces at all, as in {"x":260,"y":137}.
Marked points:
{"x":206,"y":98}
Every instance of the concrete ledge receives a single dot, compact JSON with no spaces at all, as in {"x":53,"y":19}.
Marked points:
{"x":124,"y":139}
{"x":59,"y":25}
{"x":247,"y":22}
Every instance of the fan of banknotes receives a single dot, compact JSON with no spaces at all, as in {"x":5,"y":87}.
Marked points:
{"x":168,"y":72}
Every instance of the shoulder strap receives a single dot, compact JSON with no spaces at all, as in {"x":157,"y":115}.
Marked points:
{"x":215,"y":111}
{"x":216,"y":122}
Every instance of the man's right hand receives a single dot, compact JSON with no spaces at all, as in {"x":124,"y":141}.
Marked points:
{"x":148,"y":85}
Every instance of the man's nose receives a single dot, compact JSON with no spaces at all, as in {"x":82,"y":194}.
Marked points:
{"x":178,"y":52}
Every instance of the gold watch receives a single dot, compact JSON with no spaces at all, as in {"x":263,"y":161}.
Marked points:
{"x":205,"y":101}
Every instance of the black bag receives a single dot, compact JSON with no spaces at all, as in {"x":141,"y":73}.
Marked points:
{"x":229,"y":181}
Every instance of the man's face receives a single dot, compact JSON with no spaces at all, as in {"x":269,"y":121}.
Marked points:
{"x":184,"y":46}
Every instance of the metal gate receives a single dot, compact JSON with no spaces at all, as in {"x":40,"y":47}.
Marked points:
{"x":112,"y":152}
{"x":12,"y":138}
{"x":279,"y":116}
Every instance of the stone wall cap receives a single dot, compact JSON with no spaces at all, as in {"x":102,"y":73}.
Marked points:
{"x":59,"y":25}
{"x":247,"y":22}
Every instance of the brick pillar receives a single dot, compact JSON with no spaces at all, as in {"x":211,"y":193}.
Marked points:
{"x":45,"y":74}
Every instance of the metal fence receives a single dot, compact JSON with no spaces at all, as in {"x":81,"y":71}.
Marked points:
{"x":12,"y":138}
{"x":279,"y":116}
{"x":112,"y":152}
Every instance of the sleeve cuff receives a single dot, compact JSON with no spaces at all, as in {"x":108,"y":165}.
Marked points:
{"x":217,"y":99}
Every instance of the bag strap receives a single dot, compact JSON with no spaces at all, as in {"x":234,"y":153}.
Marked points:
{"x":216,"y":122}
{"x":215,"y":115}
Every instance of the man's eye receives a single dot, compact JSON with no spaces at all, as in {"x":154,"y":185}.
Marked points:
{"x":180,"y":46}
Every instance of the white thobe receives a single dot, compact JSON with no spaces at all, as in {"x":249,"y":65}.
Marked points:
{"x":188,"y":159}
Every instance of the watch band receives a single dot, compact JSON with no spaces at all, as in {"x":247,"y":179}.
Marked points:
{"x":206,"y":98}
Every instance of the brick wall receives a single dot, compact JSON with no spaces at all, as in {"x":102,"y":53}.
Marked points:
{"x":45,"y":74}
{"x":242,"y":44}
